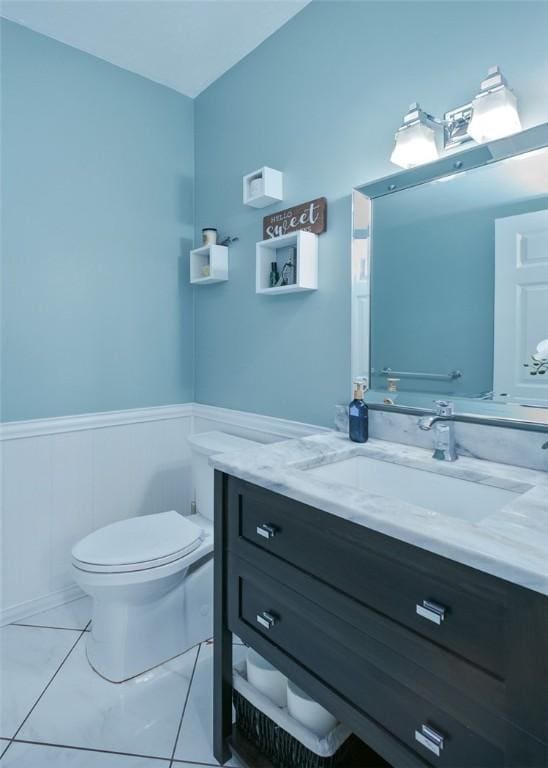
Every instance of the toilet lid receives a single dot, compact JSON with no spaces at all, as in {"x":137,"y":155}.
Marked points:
{"x":140,"y":541}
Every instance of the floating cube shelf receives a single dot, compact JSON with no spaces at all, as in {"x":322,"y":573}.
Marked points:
{"x":209,"y":257}
{"x":306,"y":267}
{"x":263,"y":187}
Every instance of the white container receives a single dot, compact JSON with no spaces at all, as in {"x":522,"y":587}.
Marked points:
{"x":263,"y":187}
{"x":266,"y":678}
{"x":209,"y":236}
{"x":308,"y":712}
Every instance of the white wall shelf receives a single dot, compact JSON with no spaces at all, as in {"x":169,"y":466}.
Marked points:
{"x":263,"y":187}
{"x":306,"y":244}
{"x":209,"y":257}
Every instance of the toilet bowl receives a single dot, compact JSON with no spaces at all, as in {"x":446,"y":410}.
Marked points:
{"x":151,"y":577}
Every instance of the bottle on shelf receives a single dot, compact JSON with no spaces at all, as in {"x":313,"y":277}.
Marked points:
{"x":274,"y":274}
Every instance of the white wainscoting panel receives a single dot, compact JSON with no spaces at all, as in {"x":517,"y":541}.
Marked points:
{"x":27,"y":513}
{"x":61,"y":484}
{"x":71,"y":500}
{"x":65,"y":477}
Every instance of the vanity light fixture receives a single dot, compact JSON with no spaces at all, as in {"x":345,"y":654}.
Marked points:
{"x":417,"y":139}
{"x":455,"y":127}
{"x":492,"y":114}
{"x":494,"y":110}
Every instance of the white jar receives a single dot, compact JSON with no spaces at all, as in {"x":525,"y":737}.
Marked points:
{"x":209,"y":236}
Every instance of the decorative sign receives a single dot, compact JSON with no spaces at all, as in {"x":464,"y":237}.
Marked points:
{"x":311,"y":216}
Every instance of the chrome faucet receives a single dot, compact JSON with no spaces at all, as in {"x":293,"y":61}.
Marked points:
{"x":442,"y":423}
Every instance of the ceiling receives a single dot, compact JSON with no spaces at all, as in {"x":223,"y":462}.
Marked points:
{"x":184,"y":44}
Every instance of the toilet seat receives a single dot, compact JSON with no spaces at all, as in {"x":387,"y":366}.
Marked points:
{"x":138,"y":544}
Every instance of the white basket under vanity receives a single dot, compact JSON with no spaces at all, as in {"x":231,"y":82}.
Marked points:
{"x":306,"y":266}
{"x":209,"y":264}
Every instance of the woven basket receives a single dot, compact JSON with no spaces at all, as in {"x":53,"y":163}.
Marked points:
{"x":285,"y":751}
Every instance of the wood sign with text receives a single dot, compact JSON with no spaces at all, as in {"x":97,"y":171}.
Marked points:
{"x":311,"y":216}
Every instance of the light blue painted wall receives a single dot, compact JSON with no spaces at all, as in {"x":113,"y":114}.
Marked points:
{"x":98,"y":174}
{"x":320,"y":100}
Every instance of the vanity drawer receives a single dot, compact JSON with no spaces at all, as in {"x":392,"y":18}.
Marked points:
{"x":260,"y":606}
{"x":458,"y":608}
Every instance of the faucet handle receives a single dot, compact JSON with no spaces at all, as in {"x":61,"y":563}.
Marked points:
{"x":444,"y":408}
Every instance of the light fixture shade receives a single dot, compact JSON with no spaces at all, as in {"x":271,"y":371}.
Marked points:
{"x":494,"y":110}
{"x":416,"y":140}
{"x":415,"y":145}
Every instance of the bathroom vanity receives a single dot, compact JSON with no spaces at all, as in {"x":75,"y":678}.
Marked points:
{"x":409,"y":596}
{"x":419,"y":619}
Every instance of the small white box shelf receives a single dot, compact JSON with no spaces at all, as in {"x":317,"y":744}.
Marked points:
{"x":306,"y":267}
{"x":213,"y":256}
{"x":263,"y":187}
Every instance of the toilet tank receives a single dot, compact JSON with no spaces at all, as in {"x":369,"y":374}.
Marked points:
{"x":204,"y":445}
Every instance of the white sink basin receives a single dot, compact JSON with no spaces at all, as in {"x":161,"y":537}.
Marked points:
{"x":439,"y":493}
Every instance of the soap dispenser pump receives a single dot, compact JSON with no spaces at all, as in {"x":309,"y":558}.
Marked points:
{"x":358,"y":415}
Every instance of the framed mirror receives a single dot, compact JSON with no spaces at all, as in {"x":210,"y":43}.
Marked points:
{"x":450,"y":284}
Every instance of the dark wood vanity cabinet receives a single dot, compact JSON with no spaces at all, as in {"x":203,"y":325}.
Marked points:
{"x":430,"y":662}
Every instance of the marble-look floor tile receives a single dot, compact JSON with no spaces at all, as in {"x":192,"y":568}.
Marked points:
{"x":181,"y":764}
{"x":195,"y":742}
{"x":41,"y":756}
{"x":140,"y":716}
{"x":73,"y":615}
{"x":29,"y":658}
{"x":235,"y":640}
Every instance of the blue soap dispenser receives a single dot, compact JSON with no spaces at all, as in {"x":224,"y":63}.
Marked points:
{"x":358,"y":416}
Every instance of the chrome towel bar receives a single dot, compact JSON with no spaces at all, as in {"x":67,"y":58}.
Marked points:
{"x":451,"y":376}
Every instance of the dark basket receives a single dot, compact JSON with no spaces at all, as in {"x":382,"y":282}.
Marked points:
{"x":285,"y":751}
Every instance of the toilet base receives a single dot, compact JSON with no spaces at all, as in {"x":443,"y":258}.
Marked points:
{"x":134,"y":630}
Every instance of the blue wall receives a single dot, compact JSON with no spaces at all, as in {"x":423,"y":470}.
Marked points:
{"x":320,"y":100}
{"x":98,"y":174}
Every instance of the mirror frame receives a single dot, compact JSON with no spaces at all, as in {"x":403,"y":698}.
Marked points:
{"x":502,"y":414}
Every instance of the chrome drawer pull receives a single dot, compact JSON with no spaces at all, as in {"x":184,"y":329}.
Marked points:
{"x":430,"y":739}
{"x":266,"y":530}
{"x":431,"y":611}
{"x":266,"y":620}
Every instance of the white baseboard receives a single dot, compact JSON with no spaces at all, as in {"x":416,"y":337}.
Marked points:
{"x":44,"y":603}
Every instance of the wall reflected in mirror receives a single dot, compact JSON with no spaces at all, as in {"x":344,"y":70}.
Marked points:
{"x":459,"y":284}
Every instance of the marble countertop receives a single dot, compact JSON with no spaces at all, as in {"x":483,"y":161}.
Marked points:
{"x":511,"y":543}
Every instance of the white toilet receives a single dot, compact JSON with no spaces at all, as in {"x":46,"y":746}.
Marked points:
{"x":151,"y":577}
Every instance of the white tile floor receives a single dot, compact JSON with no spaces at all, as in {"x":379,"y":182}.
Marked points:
{"x":55,"y":711}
